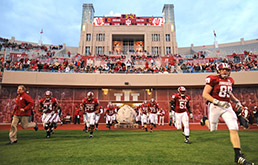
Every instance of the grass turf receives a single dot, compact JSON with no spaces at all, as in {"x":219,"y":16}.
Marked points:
{"x":125,"y":147}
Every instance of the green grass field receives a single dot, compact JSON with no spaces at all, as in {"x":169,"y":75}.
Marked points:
{"x":125,"y":147}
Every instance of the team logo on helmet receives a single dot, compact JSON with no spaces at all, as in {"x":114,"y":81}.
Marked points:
{"x":181,"y":90}
{"x":48,"y":95}
{"x":223,"y":66}
{"x":90,"y":95}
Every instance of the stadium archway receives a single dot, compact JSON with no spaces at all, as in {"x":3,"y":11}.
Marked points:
{"x":128,"y":43}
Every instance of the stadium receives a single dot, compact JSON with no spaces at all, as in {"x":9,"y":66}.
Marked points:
{"x":125,"y":61}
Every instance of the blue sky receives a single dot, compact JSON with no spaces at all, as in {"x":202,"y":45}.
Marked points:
{"x":195,"y":19}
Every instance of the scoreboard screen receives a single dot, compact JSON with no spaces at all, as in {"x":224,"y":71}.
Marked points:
{"x":128,"y":19}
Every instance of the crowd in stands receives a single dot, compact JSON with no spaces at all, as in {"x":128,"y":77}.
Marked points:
{"x":133,"y":63}
{"x":6,"y":44}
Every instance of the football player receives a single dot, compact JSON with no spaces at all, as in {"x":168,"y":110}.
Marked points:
{"x":218,"y":93}
{"x":85,"y":120}
{"x":51,"y":112}
{"x":153,"y":110}
{"x":144,"y":111}
{"x":172,"y":114}
{"x":255,"y":112}
{"x":110,"y":115}
{"x":161,"y":114}
{"x":91,"y":106}
{"x":138,"y":115}
{"x":180,"y":103}
{"x":243,"y":116}
{"x":98,"y":117}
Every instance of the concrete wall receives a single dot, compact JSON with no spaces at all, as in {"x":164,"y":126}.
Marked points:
{"x":118,"y":80}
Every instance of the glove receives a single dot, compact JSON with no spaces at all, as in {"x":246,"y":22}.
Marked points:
{"x":223,"y":104}
{"x":191,"y":115}
{"x":44,"y":110}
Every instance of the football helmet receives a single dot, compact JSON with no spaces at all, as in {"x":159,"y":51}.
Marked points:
{"x":223,"y":66}
{"x":152,"y":100}
{"x":110,"y":105}
{"x":181,"y":90}
{"x":90,"y":95}
{"x":48,"y":95}
{"x":145,"y":102}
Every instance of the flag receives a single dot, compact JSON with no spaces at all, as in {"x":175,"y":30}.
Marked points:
{"x":215,"y":35}
{"x":41,"y":31}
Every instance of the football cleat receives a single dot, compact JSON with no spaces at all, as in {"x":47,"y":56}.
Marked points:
{"x":91,"y":136}
{"x":187,"y":141}
{"x":151,"y":131}
{"x":170,"y":123}
{"x":146,"y":129}
{"x":36,"y":127}
{"x":48,"y":134}
{"x":11,"y":143}
{"x":202,"y":122}
{"x":96,"y":129}
{"x":241,"y":160}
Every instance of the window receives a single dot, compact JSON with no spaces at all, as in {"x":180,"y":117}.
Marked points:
{"x":168,"y":50}
{"x":100,"y":50}
{"x":155,"y":50}
{"x":167,"y":37}
{"x":155,"y":37}
{"x":87,"y":50}
{"x":88,"y":37}
{"x":100,"y":37}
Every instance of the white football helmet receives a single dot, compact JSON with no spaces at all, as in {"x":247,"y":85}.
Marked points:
{"x":181,"y":90}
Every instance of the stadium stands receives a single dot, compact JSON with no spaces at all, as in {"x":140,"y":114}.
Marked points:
{"x":25,"y":57}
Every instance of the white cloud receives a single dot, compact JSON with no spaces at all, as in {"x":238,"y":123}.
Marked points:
{"x":113,"y":14}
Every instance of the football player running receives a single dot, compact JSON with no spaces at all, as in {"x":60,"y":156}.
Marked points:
{"x":153,"y":110}
{"x":218,"y":93}
{"x":138,"y":115}
{"x":98,"y":117}
{"x":110,"y":115}
{"x":180,"y":103}
{"x":91,"y":106}
{"x":144,"y":111}
{"x":51,"y":112}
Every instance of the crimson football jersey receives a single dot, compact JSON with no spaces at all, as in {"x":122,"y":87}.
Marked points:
{"x":90,"y":106}
{"x":144,"y":109}
{"x":110,"y":111}
{"x":221,"y":87}
{"x":137,"y":110}
{"x":154,"y":108}
{"x":49,"y":105}
{"x":181,"y":102}
{"x":244,"y":112}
